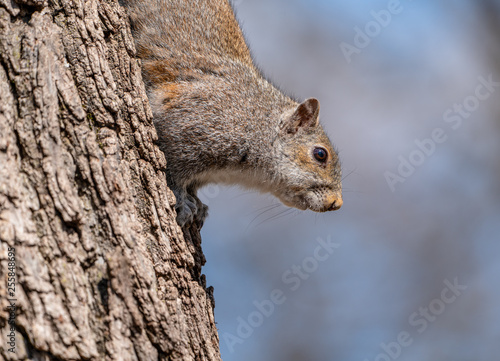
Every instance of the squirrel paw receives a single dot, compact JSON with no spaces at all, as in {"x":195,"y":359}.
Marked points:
{"x":201,"y":213}
{"x":190,"y":210}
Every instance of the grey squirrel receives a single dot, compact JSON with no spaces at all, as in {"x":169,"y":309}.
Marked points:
{"x":218,"y":119}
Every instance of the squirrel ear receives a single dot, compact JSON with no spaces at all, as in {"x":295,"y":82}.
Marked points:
{"x":305,"y":116}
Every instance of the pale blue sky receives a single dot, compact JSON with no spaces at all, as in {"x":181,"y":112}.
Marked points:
{"x":396,"y":248}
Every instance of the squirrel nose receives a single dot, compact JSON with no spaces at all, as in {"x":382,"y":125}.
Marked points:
{"x":337,"y":203}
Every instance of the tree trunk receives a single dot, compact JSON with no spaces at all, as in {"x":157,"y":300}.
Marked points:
{"x":102,"y":270}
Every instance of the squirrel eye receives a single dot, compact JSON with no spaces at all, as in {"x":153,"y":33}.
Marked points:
{"x":320,"y":154}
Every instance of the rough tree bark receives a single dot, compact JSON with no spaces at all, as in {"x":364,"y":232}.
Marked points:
{"x":103,"y":270}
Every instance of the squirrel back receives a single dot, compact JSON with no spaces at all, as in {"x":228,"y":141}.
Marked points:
{"x":218,"y":119}
{"x":183,"y":30}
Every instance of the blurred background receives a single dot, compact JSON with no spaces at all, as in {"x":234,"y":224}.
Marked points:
{"x":409,"y":268}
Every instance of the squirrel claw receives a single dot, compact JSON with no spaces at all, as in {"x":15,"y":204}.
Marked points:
{"x":190,"y":210}
{"x":184,"y":214}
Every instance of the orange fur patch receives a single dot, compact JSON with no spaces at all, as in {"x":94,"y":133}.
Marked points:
{"x":168,"y":91}
{"x":158,"y":72}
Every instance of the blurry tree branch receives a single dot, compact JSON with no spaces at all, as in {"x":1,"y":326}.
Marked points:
{"x":489,"y":11}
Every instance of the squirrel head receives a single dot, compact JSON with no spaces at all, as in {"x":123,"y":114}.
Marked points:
{"x":308,"y":167}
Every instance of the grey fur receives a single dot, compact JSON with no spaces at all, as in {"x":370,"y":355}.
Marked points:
{"x":218,"y":119}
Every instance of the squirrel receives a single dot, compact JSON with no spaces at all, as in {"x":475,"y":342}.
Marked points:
{"x":217,"y":117}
